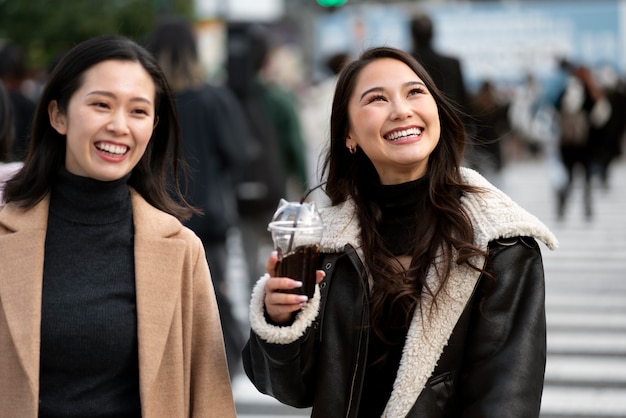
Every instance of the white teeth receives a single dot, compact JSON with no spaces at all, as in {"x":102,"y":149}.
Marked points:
{"x":112,"y":149}
{"x":401,"y":134}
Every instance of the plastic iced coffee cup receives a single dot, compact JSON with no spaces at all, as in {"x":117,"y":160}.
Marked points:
{"x":296,"y":232}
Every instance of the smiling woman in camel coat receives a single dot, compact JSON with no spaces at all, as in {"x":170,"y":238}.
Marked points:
{"x":175,"y":306}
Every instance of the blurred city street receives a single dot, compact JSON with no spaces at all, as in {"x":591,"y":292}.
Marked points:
{"x":586,"y":301}
{"x":549,"y":77}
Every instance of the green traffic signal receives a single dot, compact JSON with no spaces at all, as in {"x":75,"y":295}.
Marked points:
{"x":331,"y":3}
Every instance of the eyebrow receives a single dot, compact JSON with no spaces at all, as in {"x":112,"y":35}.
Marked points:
{"x":377,"y":89}
{"x":111,"y":95}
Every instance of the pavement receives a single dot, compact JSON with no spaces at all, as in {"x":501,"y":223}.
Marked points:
{"x":585,"y":299}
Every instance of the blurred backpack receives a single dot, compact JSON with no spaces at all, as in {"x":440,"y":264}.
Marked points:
{"x":573,"y":118}
{"x":262,"y":183}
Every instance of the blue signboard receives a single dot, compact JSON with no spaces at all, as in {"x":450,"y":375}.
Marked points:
{"x":499,"y":41}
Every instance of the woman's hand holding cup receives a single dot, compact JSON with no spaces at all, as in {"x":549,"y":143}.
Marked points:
{"x":279,"y":304}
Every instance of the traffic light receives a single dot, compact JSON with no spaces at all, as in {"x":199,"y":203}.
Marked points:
{"x":331,"y":3}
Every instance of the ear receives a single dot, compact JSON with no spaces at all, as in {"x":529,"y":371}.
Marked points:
{"x":58,"y":120}
{"x":350,"y":143}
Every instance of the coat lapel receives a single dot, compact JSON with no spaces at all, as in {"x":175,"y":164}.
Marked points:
{"x":21,"y":272}
{"x":158,"y":267}
{"x":428,"y":335}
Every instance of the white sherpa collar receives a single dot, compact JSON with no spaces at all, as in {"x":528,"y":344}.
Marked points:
{"x":495,"y":215}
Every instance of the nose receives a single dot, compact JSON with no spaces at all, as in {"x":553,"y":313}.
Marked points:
{"x":118,"y":124}
{"x":401,"y":109}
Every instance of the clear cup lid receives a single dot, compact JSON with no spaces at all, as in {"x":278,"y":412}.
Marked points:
{"x":296,"y":215}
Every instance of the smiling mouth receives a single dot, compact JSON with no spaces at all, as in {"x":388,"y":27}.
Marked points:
{"x":396,"y":135}
{"x":111,"y":149}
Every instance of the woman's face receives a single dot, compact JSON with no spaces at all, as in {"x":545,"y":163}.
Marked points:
{"x":394,"y":119}
{"x":109,"y":120}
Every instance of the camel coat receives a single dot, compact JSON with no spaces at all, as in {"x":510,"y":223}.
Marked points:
{"x":182,"y":362}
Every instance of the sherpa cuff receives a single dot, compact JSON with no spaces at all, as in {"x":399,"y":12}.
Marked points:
{"x":276,"y":334}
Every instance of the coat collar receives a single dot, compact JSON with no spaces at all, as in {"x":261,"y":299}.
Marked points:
{"x":158,"y":271}
{"x":493,"y":215}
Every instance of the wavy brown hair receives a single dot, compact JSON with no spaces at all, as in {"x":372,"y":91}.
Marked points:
{"x":443,"y":225}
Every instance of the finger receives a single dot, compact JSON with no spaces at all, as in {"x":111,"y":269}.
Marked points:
{"x":287,"y":300}
{"x":319,"y":276}
{"x":274,"y":284}
{"x":270,"y":266}
{"x":281,"y":314}
{"x":281,"y":306}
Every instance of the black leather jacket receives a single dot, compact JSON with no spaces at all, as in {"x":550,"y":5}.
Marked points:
{"x":493,"y":365}
{"x":480,"y":351}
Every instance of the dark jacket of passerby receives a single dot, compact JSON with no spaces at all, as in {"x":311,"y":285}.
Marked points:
{"x":445,"y":70}
{"x":276,"y":148}
{"x":12,"y":73}
{"x":467,"y":355}
{"x":214,"y":148}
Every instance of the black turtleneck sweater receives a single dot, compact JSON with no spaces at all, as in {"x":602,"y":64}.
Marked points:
{"x":89,"y":354}
{"x":401,"y":205}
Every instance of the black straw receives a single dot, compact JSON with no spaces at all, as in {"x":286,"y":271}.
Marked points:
{"x":307,"y":192}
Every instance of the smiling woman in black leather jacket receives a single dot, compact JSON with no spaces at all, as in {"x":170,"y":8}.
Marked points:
{"x":431,"y":298}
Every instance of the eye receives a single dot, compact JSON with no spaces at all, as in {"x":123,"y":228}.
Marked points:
{"x":101,"y":105}
{"x":141,"y":111}
{"x":376,"y":98}
{"x":417,"y":90}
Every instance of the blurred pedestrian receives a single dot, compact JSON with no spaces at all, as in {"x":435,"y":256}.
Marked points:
{"x":214,"y":133}
{"x":107,"y":306}
{"x":315,"y":112}
{"x":490,"y":113}
{"x":431,"y":296}
{"x":582,"y":110}
{"x":8,"y":167}
{"x":445,"y":70}
{"x":276,"y":144}
{"x":13,"y":74}
{"x":530,"y":117}
{"x":610,"y":136}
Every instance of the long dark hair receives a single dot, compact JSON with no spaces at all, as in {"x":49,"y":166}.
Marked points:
{"x":442,"y":227}
{"x":154,"y":176}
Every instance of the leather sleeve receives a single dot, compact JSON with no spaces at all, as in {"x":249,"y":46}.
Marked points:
{"x":505,"y":354}
{"x":278,"y":370}
{"x":286,"y":371}
{"x":318,"y":368}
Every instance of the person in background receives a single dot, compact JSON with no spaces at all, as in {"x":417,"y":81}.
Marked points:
{"x":8,"y":167}
{"x":446,"y":71}
{"x":610,"y":136}
{"x":214,"y":134}
{"x":315,"y":112}
{"x":107,"y":306}
{"x":13,"y":74}
{"x":491,"y":125}
{"x":277,"y":167}
{"x":583,"y":109}
{"x":431,"y":295}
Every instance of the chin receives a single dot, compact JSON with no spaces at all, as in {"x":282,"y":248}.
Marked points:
{"x":108,"y":176}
